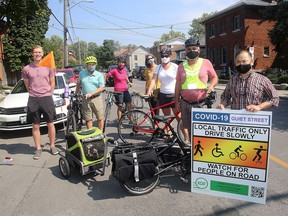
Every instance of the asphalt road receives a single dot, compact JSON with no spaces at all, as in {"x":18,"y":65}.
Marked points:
{"x":29,"y":187}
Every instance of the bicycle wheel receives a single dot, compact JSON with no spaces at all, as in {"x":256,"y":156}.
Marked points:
{"x":71,"y":123}
{"x":137,"y":101}
{"x":180,"y":131}
{"x":79,"y":120}
{"x":136,"y":126}
{"x":141,"y":187}
{"x":106,"y":115}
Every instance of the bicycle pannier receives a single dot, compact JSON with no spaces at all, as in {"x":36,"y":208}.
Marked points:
{"x":135,"y":165}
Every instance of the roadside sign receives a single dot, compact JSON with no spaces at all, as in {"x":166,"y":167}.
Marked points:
{"x":230,"y":153}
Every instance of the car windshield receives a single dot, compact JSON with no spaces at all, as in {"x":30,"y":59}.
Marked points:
{"x":69,"y":73}
{"x":19,"y":88}
{"x":59,"y":82}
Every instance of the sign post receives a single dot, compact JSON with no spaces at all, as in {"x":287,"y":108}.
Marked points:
{"x":230,"y":153}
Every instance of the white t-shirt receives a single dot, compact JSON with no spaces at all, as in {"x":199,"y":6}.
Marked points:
{"x":167,"y":78}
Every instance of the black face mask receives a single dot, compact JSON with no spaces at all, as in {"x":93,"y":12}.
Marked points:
{"x":243,"y":68}
{"x":192,"y":54}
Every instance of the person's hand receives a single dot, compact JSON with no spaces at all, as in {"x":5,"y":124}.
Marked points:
{"x":210,"y":89}
{"x":220,"y":106}
{"x":253,"y":108}
{"x":88,"y":95}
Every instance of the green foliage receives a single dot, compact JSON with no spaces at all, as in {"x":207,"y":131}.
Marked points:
{"x":29,"y":23}
{"x":279,"y":34}
{"x":53,"y":44}
{"x":105,"y":53}
{"x":197,"y":28}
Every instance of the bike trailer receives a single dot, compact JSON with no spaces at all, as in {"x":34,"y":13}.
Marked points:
{"x":133,"y":163}
{"x":86,"y":149}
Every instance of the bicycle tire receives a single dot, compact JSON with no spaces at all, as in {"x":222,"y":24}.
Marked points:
{"x":179,"y":131}
{"x":136,"y":101}
{"x":142,"y":187}
{"x":71,"y":123}
{"x":106,"y":115}
{"x":127,"y":131}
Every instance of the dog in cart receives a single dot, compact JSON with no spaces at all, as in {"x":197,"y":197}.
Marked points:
{"x":86,"y":150}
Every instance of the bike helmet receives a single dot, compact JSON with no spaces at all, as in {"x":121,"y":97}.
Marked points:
{"x":91,"y":59}
{"x":166,"y":51}
{"x":192,"y":42}
{"x":121,"y":59}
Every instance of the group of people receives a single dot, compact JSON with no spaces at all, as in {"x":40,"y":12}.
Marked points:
{"x":187,"y":84}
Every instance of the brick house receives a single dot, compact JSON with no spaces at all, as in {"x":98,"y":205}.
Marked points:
{"x":238,"y":27}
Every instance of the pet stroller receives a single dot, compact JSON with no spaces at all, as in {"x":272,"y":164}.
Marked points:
{"x":86,"y":150}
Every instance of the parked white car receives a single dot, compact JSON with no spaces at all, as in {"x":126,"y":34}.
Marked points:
{"x":13,"y":109}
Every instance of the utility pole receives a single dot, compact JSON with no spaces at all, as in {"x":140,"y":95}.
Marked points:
{"x":65,"y":56}
{"x":79,"y":51}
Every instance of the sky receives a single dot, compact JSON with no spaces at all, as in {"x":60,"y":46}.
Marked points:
{"x":139,"y":22}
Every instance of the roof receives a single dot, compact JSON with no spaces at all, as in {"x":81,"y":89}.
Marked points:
{"x":260,"y":3}
{"x":174,"y":41}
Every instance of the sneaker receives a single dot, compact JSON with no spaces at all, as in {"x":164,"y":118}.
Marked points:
{"x":37,"y":154}
{"x":54,"y":151}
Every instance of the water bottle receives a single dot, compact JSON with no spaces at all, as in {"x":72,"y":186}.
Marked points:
{"x":66,"y":91}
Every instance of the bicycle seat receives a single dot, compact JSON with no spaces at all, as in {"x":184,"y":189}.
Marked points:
{"x":163,"y":118}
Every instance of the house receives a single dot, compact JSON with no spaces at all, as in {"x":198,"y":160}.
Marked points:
{"x":174,"y":44}
{"x":239,"y":27}
{"x":181,"y":51}
{"x":134,"y":57}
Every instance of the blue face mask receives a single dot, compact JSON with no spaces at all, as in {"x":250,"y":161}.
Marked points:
{"x":91,"y":68}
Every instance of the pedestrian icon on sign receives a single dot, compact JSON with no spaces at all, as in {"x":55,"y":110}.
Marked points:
{"x":259,"y":150}
{"x":198,"y":148}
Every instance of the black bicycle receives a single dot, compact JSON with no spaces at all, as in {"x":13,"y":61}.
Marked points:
{"x":136,"y":103}
{"x":173,"y":155}
{"x":74,"y":118}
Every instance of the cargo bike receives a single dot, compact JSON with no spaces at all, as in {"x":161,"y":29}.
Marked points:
{"x":86,"y":150}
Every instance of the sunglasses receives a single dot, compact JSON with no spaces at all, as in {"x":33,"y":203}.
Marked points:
{"x":164,"y":56}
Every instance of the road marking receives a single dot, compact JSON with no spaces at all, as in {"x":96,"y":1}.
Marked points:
{"x":277,"y":160}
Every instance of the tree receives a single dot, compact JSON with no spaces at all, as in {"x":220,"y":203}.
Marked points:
{"x":28,"y":21}
{"x":168,"y":36}
{"x":279,"y":34}
{"x":53,"y":44}
{"x":105,"y":53}
{"x":197,"y":28}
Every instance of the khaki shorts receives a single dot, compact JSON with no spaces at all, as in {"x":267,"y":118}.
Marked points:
{"x":90,"y":106}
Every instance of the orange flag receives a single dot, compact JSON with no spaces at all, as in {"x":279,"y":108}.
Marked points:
{"x":48,"y":61}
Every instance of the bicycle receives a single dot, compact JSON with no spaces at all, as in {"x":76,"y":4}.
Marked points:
{"x":136,"y":103}
{"x":141,"y":128}
{"x":174,"y":155}
{"x":137,"y":126}
{"x":234,"y":155}
{"x":207,"y":102}
{"x":74,"y":118}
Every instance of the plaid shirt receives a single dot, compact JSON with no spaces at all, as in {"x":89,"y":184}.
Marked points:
{"x":255,"y":89}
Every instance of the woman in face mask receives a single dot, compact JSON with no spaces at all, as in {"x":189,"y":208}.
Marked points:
{"x":248,"y":90}
{"x":165,"y":73}
{"x":150,"y":62}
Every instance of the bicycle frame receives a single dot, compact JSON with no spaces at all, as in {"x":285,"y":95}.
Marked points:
{"x":152,"y":114}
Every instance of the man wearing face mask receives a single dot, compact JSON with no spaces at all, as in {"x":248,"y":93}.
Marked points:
{"x":92,"y":84}
{"x":248,"y":89}
{"x":191,"y":83}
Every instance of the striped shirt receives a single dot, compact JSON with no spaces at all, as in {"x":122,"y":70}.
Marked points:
{"x":253,"y":90}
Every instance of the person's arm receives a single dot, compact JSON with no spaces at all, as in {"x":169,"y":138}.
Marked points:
{"x":152,"y":84}
{"x":26,"y":83}
{"x":178,"y":89}
{"x":52,"y":83}
{"x":213,"y":83}
{"x":224,"y":98}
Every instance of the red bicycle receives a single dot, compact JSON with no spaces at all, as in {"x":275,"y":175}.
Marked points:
{"x":137,"y":126}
